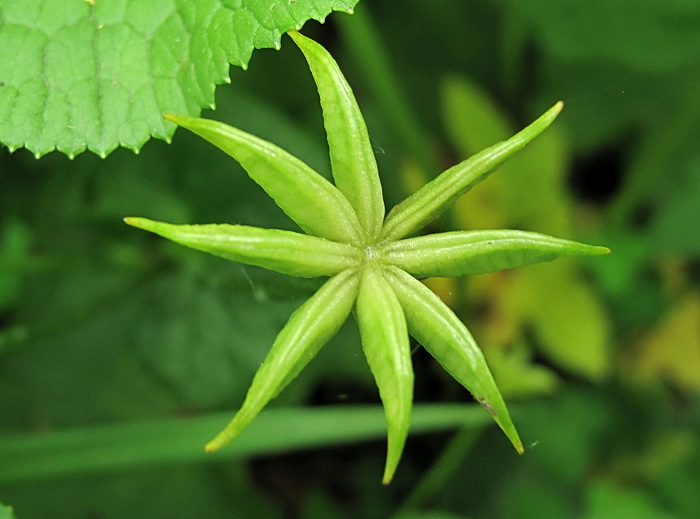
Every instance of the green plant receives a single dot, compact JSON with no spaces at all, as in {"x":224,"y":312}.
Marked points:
{"x":372,"y":264}
{"x":97,"y":75}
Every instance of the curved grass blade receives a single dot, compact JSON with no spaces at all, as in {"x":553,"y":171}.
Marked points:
{"x":477,"y":252}
{"x":436,"y":196}
{"x":385,"y":343}
{"x":352,"y":158}
{"x":316,"y":205}
{"x":446,"y":338}
{"x":131,"y":446}
{"x":310,"y":327}
{"x":287,"y":252}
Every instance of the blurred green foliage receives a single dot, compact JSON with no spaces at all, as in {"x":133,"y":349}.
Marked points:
{"x":6,"y":512}
{"x":102,"y":326}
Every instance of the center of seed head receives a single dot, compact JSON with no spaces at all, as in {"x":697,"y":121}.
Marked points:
{"x":371,"y":254}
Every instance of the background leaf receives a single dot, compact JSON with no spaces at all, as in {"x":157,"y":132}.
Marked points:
{"x":671,"y":350}
{"x":6,"y":512}
{"x":607,"y":501}
{"x":644,"y":33}
{"x":568,"y":319}
{"x":14,"y":248}
{"x":674,"y":230}
{"x":97,"y":75}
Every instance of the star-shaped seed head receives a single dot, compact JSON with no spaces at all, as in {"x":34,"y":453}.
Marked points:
{"x":372,"y":262}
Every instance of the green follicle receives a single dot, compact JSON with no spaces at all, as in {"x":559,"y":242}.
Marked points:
{"x":371,"y":265}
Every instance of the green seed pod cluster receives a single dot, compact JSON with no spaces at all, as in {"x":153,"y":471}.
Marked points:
{"x":373,"y":265}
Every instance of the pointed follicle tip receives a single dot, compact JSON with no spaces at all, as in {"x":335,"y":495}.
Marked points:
{"x":135,"y":221}
{"x":388,"y":476}
{"x":211,"y":447}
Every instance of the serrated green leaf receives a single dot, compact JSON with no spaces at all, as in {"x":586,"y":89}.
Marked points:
{"x":99,"y":74}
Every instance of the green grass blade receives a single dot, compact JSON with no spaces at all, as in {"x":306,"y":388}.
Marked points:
{"x":175,"y":441}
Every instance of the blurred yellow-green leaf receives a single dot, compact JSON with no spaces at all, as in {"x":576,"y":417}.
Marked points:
{"x":6,"y":512}
{"x":671,"y":350}
{"x":517,"y":376}
{"x":568,"y":319}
